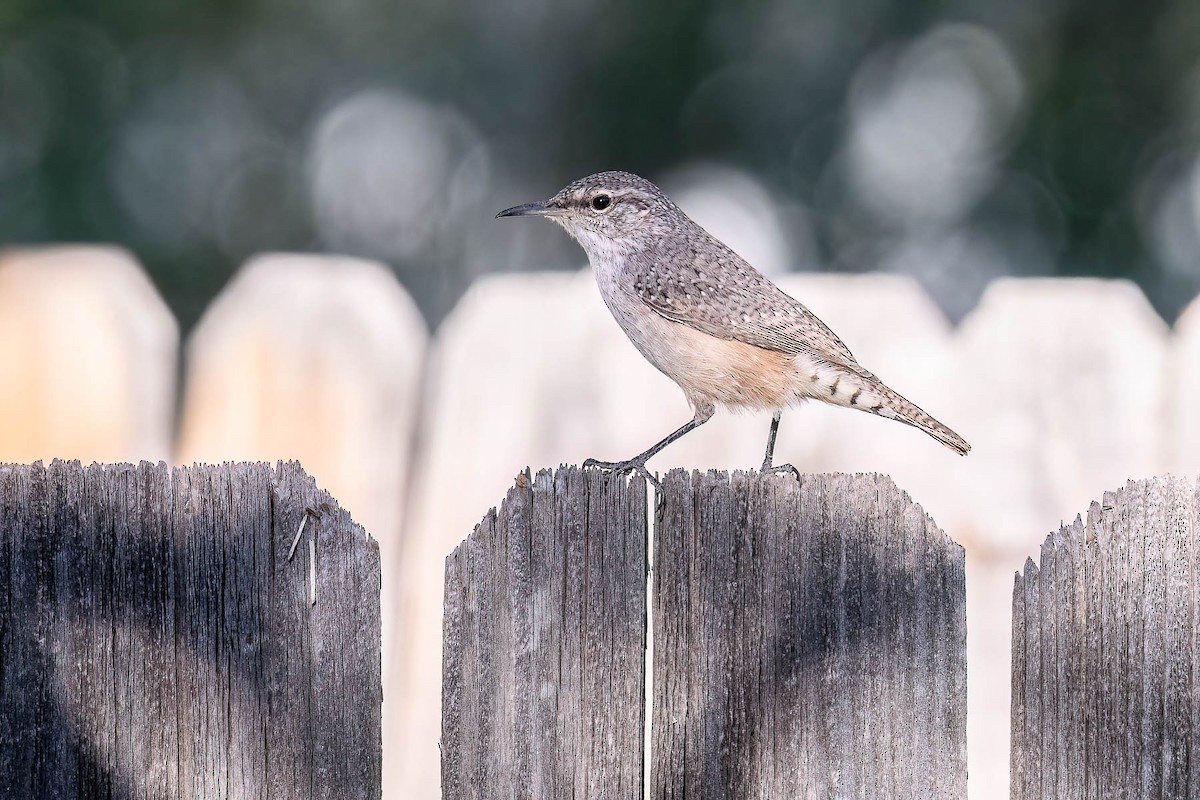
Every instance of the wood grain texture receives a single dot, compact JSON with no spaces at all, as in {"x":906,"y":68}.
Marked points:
{"x":809,"y":641}
{"x":156,"y":642}
{"x":544,"y":644}
{"x":1106,"y":642}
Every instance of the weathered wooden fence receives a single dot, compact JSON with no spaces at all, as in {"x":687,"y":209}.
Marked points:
{"x":156,"y":640}
{"x":809,"y":640}
{"x":1036,"y":377}
{"x":324,"y":358}
{"x":1106,"y":652}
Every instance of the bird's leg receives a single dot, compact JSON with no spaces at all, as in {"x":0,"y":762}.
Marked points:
{"x":766,"y":465}
{"x":638,"y":463}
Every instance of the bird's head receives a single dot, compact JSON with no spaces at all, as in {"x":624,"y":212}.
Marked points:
{"x":606,"y":212}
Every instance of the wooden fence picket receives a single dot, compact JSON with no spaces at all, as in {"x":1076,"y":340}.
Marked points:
{"x":809,"y":639}
{"x":1105,"y":653}
{"x":156,"y":640}
{"x":88,"y":353}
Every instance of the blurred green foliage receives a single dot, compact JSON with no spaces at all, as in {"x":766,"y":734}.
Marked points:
{"x":197,"y":133}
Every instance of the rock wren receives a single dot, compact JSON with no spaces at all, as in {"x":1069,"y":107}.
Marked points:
{"x":708,"y":320}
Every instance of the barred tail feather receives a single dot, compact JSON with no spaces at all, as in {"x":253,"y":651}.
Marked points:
{"x":894,"y":406}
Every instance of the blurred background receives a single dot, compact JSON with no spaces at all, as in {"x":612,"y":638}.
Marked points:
{"x":922,"y":168}
{"x":954,"y":141}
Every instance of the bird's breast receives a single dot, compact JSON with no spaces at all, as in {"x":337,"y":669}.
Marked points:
{"x":708,"y":369}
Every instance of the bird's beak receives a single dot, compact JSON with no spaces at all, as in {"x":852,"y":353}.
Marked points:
{"x":530,"y":210}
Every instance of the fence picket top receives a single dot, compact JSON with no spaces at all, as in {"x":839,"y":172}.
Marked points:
{"x":1113,"y":654}
{"x":88,"y":350}
{"x":311,"y":357}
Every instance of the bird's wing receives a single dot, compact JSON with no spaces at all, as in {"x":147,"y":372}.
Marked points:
{"x":714,"y":291}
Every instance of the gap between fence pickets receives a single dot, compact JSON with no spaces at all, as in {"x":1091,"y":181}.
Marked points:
{"x":648,"y":655}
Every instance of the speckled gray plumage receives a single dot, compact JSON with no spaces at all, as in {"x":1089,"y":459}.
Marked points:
{"x":698,"y":281}
{"x":689,"y":277}
{"x":658,"y":270}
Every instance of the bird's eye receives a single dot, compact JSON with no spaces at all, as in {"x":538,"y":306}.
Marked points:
{"x":601,"y":202}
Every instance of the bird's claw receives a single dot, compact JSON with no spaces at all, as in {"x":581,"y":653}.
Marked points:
{"x":623,"y":467}
{"x":780,"y":470}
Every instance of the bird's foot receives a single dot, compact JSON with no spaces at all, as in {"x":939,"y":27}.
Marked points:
{"x":634,"y":465}
{"x":779,"y":470}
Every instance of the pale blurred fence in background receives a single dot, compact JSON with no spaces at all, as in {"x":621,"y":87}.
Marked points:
{"x":1063,"y":387}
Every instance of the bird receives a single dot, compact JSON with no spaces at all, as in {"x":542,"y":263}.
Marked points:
{"x":708,"y":320}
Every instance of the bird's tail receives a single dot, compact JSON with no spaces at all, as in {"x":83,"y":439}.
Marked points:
{"x":878,"y":398}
